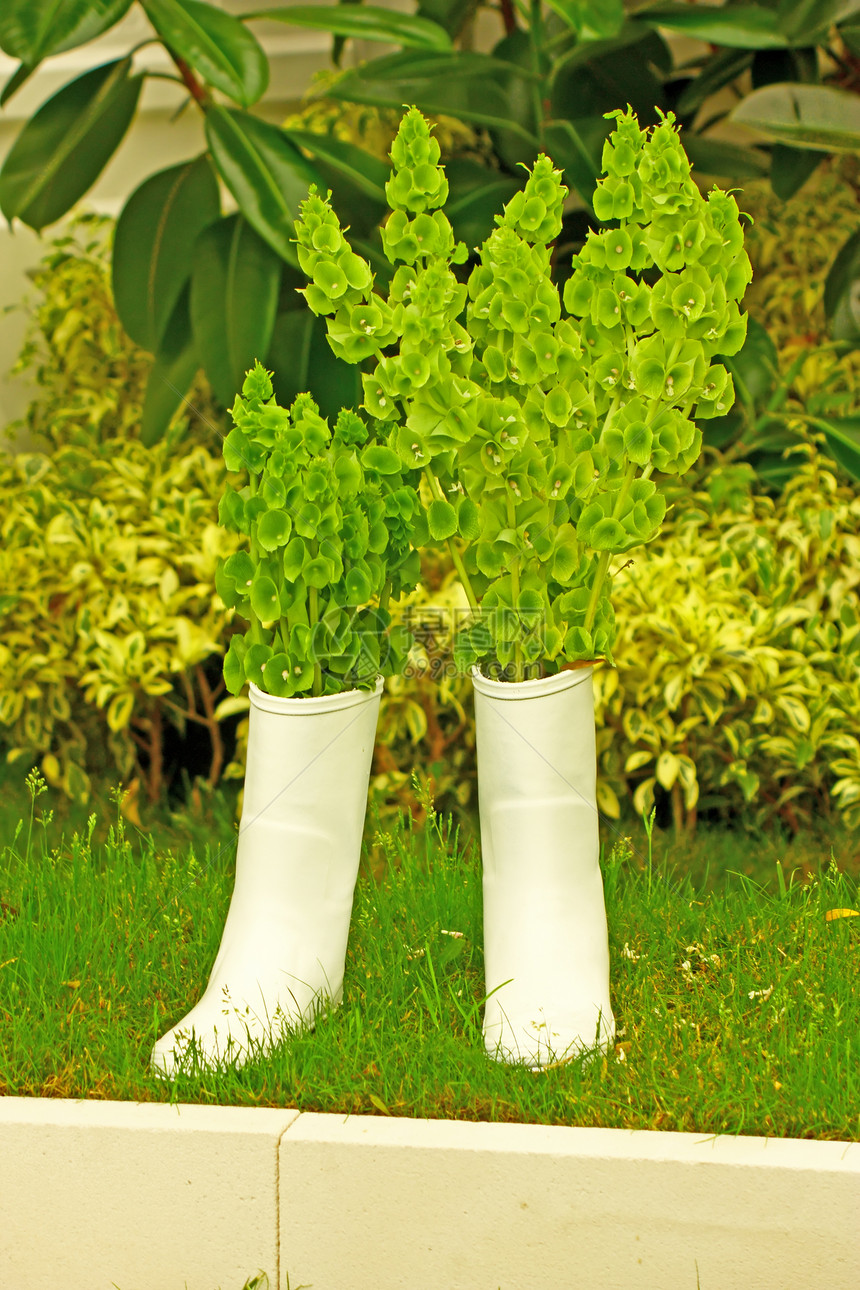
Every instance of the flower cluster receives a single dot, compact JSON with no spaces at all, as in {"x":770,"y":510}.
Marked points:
{"x":538,"y":434}
{"x":329,"y":522}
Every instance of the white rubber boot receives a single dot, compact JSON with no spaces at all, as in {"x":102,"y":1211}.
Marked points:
{"x":284,"y":943}
{"x":545,"y":942}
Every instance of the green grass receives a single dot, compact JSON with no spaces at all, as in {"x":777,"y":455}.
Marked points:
{"x":736,"y":1003}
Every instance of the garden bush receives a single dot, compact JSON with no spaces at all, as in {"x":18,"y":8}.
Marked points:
{"x":109,"y":622}
{"x":736,"y":693}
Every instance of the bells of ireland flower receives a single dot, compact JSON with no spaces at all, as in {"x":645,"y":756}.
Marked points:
{"x":282,"y":952}
{"x":545,"y":939}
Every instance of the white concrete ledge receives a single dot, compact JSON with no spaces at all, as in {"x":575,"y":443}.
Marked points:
{"x":96,"y":1195}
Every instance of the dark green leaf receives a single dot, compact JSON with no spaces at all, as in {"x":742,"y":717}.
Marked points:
{"x":459,"y":84}
{"x":755,"y":368}
{"x":596,"y":78}
{"x":590,"y":19}
{"x":716,"y":157}
{"x":720,"y":70}
{"x":842,"y":292}
{"x":805,"y":116}
{"x":738,"y":26}
{"x":300,"y":359}
{"x":806,"y":22}
{"x":155,"y":234}
{"x":266,"y":174}
{"x":234,"y":296}
{"x":450,"y":14}
{"x":33,"y":29}
{"x":364,"y":22}
{"x":851,"y":37}
{"x":791,"y":167}
{"x":21,"y":74}
{"x":569,"y":150}
{"x":842,"y":435}
{"x":63,"y":149}
{"x":772,"y":66}
{"x":476,"y":196}
{"x":362,"y":168}
{"x":215,"y":44}
{"x":172,"y":373}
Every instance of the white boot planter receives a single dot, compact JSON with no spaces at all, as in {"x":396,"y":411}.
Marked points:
{"x":537,"y":437}
{"x":546,"y":950}
{"x":283,"y":950}
{"x":328,"y":533}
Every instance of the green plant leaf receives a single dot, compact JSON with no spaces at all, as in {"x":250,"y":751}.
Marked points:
{"x":476,"y":196}
{"x":805,"y":116}
{"x":362,"y":21}
{"x":63,"y":149}
{"x":155,"y":235}
{"x":264,"y":171}
{"x":570,"y":151}
{"x":442,"y":520}
{"x":33,"y":29}
{"x":590,"y":19}
{"x":806,"y":22}
{"x":791,"y":167}
{"x":235,"y":280}
{"x":458,"y":84}
{"x":737,"y":26}
{"x":719,"y":71}
{"x":215,"y":44}
{"x":843,"y":441}
{"x":842,"y":292}
{"x":172,"y":373}
{"x":301,"y":359}
{"x":366,"y":171}
{"x":716,"y":157}
{"x":19,"y":77}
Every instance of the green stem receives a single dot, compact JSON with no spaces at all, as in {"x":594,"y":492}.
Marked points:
{"x":605,"y":556}
{"x":313,"y":618}
{"x":436,"y":490}
{"x":536,"y":51}
{"x":515,"y":588}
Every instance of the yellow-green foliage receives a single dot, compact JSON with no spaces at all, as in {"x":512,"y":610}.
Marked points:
{"x":107,"y":549}
{"x":737,"y":681}
{"x":107,"y":564}
{"x":792,"y":246}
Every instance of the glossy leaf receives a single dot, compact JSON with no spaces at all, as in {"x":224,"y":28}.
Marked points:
{"x":590,"y":19}
{"x":806,"y":22}
{"x":715,"y":74}
{"x":791,"y":167}
{"x":155,"y":234}
{"x":737,"y":26}
{"x":459,"y":84}
{"x":476,"y":196}
{"x":19,"y":77}
{"x":33,"y":29}
{"x":569,"y":150}
{"x":301,"y":359}
{"x":172,"y":373}
{"x":842,"y":292}
{"x":842,"y":435}
{"x":363,"y":22}
{"x":264,"y":171}
{"x":805,"y":116}
{"x":63,"y":149}
{"x":234,"y":296}
{"x":215,"y":44}
{"x":362,"y":168}
{"x":716,"y":157}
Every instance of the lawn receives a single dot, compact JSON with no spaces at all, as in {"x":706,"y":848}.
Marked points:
{"x":735,"y":994}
